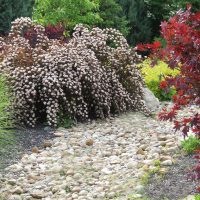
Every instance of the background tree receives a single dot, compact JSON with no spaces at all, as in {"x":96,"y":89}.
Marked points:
{"x":160,"y":10}
{"x":10,"y":10}
{"x":112,"y":16}
{"x":139,"y":23}
{"x":68,"y":12}
{"x":195,"y":4}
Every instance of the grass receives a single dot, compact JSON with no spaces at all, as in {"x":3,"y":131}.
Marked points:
{"x":5,"y":114}
{"x":190,"y":144}
{"x":7,"y":137}
{"x":145,"y":178}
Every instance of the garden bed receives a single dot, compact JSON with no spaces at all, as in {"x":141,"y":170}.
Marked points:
{"x":15,"y":142}
{"x":175,"y":184}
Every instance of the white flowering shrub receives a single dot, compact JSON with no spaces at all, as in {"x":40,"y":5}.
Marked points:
{"x":92,"y":76}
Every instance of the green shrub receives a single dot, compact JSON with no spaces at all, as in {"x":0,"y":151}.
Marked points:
{"x":5,"y":114}
{"x":6,"y":135}
{"x":154,"y":75}
{"x":190,"y":144}
{"x":67,"y":12}
{"x":197,"y":196}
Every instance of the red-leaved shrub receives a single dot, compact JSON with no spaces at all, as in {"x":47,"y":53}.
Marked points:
{"x":182,"y":51}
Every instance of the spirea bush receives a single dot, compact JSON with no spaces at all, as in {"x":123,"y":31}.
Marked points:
{"x":154,"y":77}
{"x":93,"y":75}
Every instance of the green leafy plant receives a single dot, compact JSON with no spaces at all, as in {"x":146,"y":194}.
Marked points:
{"x":67,"y":12}
{"x":6,"y":122}
{"x":145,"y":178}
{"x":5,"y":100}
{"x":153,"y":77}
{"x":190,"y":144}
{"x":197,"y":196}
{"x":65,"y":122}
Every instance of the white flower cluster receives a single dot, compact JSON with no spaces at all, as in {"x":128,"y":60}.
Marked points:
{"x":91,"y":76}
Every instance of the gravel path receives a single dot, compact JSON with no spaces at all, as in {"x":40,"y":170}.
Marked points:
{"x":96,"y":161}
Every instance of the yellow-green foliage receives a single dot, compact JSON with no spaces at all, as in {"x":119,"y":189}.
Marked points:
{"x":153,"y":76}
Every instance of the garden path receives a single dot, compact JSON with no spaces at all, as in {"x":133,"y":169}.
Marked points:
{"x":98,"y":160}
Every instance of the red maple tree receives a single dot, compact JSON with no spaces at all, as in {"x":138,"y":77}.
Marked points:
{"x":182,"y":52}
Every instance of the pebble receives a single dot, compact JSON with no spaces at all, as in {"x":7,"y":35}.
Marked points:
{"x":37,"y":194}
{"x":17,"y":190}
{"x":167,"y":163}
{"x":96,"y":160}
{"x":139,"y":188}
{"x":35,"y":150}
{"x":89,"y":142}
{"x":47,"y":143}
{"x":14,"y":197}
{"x":59,"y":134}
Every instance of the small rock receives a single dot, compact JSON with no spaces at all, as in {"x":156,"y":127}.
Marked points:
{"x":114,"y":160}
{"x":131,"y":165}
{"x":170,"y":144}
{"x":37,"y":194}
{"x":47,"y":128}
{"x":18,"y":190}
{"x":12,"y":182}
{"x":35,"y":150}
{"x":47,"y":143}
{"x":137,"y":196}
{"x":140,"y":151}
{"x":163,"y":143}
{"x":167,"y":163}
{"x":162,"y":138}
{"x":139,"y":188}
{"x":144,"y":146}
{"x":163,"y":170}
{"x":77,"y":176}
{"x":172,"y":149}
{"x":70,"y":172}
{"x":163,"y":158}
{"x":14,"y":197}
{"x":89,"y":142}
{"x":59,"y":133}
{"x":111,"y":195}
{"x":83,"y":193}
{"x":76,"y":189}
{"x":106,"y":171}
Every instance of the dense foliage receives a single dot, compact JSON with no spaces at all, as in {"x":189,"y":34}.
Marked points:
{"x":112,"y":16}
{"x":5,"y":114}
{"x":182,"y":51}
{"x":93,"y":75}
{"x":191,"y":144}
{"x":155,"y":75}
{"x":138,"y":21}
{"x":67,"y":12}
{"x":10,"y":10}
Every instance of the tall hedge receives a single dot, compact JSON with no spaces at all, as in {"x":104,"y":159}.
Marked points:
{"x":10,"y":10}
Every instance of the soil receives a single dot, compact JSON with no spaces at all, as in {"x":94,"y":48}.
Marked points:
{"x":175,"y":185}
{"x":22,"y":141}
